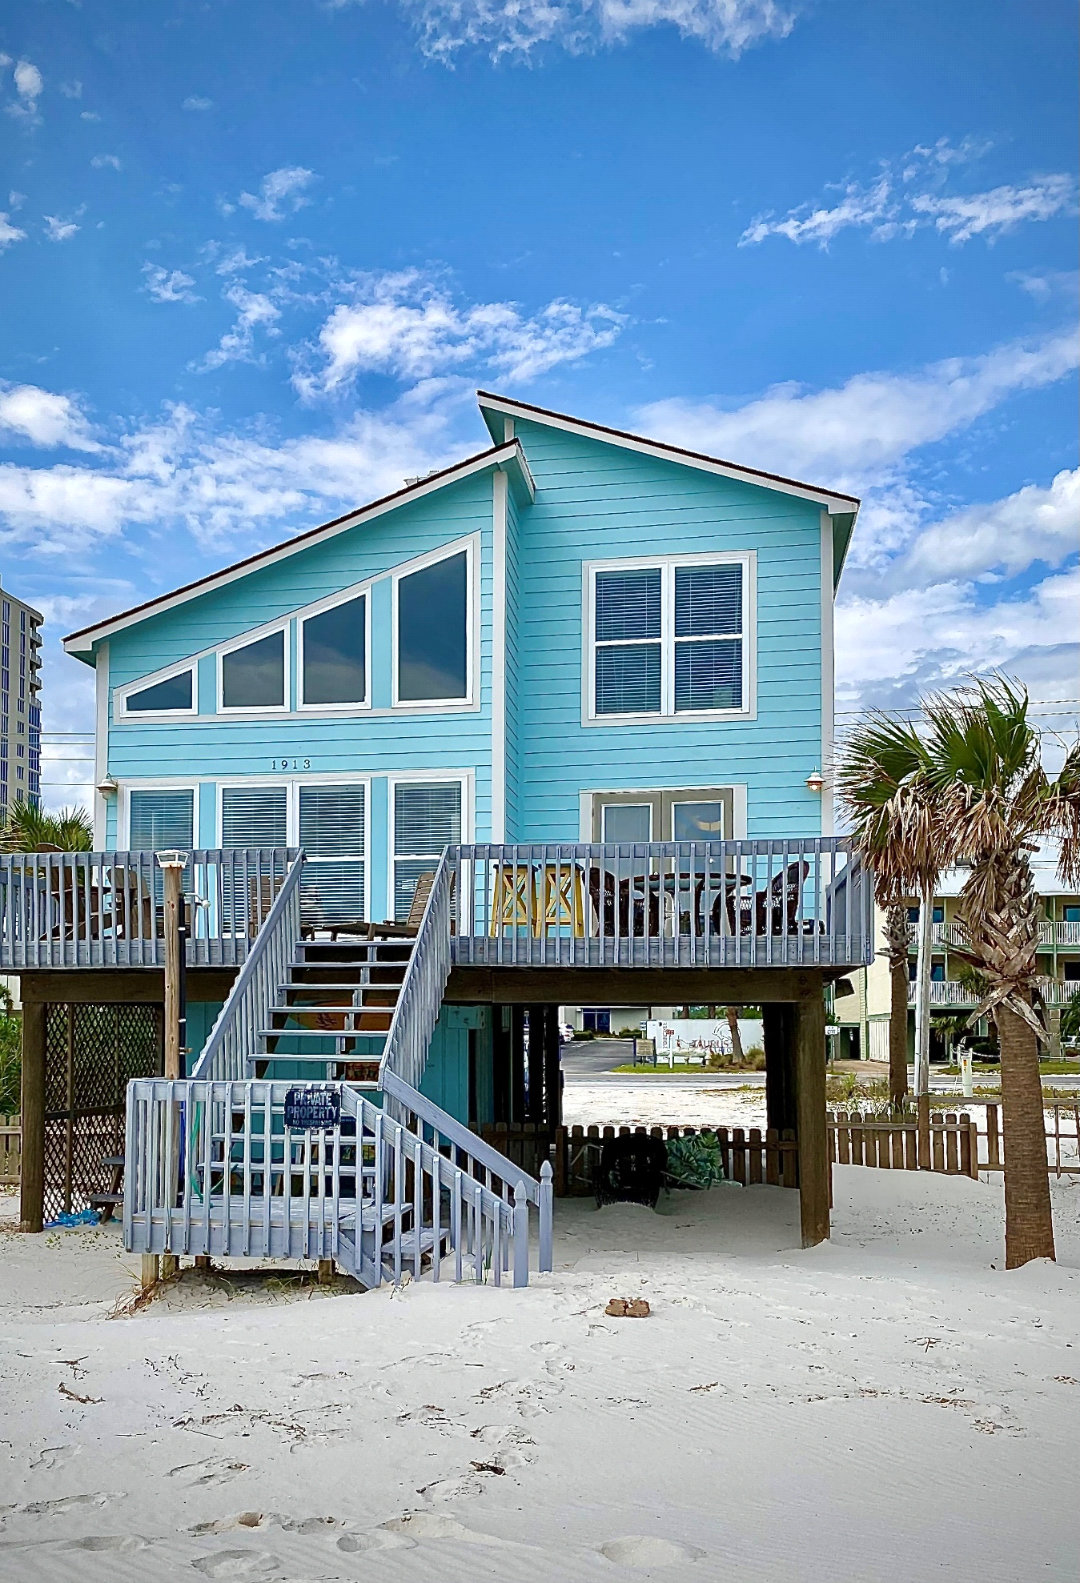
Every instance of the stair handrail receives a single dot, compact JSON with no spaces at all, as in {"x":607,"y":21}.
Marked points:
{"x":420,"y":998}
{"x":478,"y":1153}
{"x":232,"y":1041}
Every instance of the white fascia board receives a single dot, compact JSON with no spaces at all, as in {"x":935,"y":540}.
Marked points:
{"x":80,"y":644}
{"x":839,"y":505}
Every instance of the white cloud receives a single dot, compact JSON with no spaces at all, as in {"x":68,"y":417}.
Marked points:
{"x":232,"y":488}
{"x":103,"y":161}
{"x":169,"y":285}
{"x":519,"y":28}
{"x":195,"y":101}
{"x":44,"y":418}
{"x":71,"y":90}
{"x":906,"y":196}
{"x":1003,"y":537}
{"x":281,"y":193}
{"x":255,"y":311}
{"x":872,"y":421}
{"x":58,"y":230}
{"x":405,"y":325}
{"x":9,"y":233}
{"x":1000,"y":210}
{"x":890,"y":649}
{"x":28,"y":89}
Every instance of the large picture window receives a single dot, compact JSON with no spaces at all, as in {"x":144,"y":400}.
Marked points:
{"x":427,"y":818}
{"x":670,"y":639}
{"x":334,"y":647}
{"x":432,"y":661}
{"x":253,"y":674}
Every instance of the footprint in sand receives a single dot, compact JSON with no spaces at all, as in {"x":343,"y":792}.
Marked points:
{"x":212,"y":1470}
{"x":243,"y":1565}
{"x":361,"y":1544}
{"x":67,"y":1503}
{"x":428,"y":1525}
{"x":51,"y":1457}
{"x":633,"y":1551}
{"x":107,"y":1544}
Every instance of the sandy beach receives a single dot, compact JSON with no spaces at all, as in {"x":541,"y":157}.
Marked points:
{"x":888,"y":1406}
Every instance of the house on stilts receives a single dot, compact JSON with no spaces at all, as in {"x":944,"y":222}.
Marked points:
{"x":545,"y":727}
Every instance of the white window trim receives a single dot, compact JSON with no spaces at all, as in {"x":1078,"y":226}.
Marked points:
{"x":245,"y":642}
{"x":465,"y":778}
{"x":344,"y":597}
{"x":471,"y":547}
{"x":666,"y":565}
{"x":122,"y":694}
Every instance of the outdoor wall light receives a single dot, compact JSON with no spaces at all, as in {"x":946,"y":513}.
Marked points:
{"x":172,"y":859}
{"x":106,"y":786}
{"x":816,"y":781}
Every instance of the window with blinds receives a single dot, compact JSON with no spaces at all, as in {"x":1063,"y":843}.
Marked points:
{"x":254,"y":816}
{"x":669,"y":639}
{"x":331,"y":829}
{"x":427,"y":818}
{"x":161,"y":820}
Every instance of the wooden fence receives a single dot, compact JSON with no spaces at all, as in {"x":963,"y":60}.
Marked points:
{"x":10,"y":1150}
{"x":749,"y":1156}
{"x":947,"y":1143}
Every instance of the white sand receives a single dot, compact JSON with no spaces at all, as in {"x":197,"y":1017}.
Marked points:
{"x":888,"y":1406}
{"x":664,"y":1101}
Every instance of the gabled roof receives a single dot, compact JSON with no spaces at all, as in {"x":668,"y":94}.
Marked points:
{"x":491,"y":404}
{"x":508,"y":456}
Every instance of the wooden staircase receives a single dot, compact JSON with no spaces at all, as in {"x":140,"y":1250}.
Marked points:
{"x":334,"y":1009}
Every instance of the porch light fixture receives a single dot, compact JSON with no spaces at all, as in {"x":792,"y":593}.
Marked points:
{"x":816,"y":781}
{"x":106,"y":786}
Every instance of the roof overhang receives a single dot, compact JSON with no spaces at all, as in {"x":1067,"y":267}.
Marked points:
{"x":507,"y":457}
{"x":842,"y":508}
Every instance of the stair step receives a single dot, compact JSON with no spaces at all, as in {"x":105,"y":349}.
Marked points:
{"x":326,"y":1058}
{"x":384,"y":1000}
{"x":106,"y":1198}
{"x":319,"y":1010}
{"x":113,"y":1160}
{"x":324,"y":1033}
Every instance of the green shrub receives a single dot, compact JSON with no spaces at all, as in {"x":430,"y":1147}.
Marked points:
{"x":10,"y":1056}
{"x":755,"y":1059}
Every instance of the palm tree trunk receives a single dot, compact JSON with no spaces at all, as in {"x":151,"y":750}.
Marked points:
{"x":1029,"y":1226}
{"x":898,"y":1032}
{"x":732,"y":1015}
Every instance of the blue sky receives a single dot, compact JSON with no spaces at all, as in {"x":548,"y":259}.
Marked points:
{"x":256,"y":255}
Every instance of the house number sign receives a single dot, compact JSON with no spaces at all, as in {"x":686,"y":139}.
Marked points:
{"x":290,"y":764}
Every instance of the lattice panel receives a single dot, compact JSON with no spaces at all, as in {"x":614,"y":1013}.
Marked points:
{"x":90,"y":1054}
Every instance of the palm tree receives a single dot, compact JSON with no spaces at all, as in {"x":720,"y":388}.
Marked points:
{"x":884,"y":801}
{"x":28,"y":828}
{"x":969,"y":790}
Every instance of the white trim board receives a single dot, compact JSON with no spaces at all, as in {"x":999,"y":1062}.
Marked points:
{"x":832,"y":500}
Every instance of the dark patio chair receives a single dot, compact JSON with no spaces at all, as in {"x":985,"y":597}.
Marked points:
{"x":620,"y":912}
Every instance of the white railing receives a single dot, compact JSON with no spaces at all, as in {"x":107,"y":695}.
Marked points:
{"x":951,"y":992}
{"x":105,"y":909}
{"x":231,"y":1048}
{"x":227,"y":1169}
{"x":470,"y":1153}
{"x":405,"y":1052}
{"x":1058,"y":931}
{"x":752,"y":903}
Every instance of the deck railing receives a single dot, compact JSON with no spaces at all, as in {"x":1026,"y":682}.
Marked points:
{"x":223,"y":1168}
{"x":105,"y":909}
{"x":420,"y":998}
{"x":750,"y":903}
{"x":955,"y":992}
{"x":230,"y":1050}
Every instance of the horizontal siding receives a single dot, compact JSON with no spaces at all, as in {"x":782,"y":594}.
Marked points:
{"x":596,"y":501}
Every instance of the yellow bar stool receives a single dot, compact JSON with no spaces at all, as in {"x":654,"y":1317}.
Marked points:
{"x":563,"y":900}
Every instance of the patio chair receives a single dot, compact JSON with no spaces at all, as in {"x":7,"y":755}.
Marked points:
{"x":618,"y":911}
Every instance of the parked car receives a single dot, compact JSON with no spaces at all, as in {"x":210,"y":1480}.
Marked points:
{"x":566,"y":1033}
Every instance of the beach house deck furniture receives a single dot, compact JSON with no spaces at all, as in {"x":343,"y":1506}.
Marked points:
{"x":557,"y":713}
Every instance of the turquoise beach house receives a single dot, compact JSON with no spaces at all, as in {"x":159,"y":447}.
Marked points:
{"x":567,"y":705}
